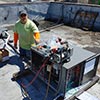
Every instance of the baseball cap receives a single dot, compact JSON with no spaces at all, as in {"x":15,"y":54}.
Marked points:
{"x":22,"y":12}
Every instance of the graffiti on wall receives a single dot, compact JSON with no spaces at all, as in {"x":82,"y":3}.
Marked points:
{"x":69,"y":13}
{"x":84,"y":19}
{"x":5,"y":14}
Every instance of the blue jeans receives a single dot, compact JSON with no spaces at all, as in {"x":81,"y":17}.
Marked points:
{"x":25,"y":53}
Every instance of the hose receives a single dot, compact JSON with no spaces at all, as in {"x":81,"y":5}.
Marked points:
{"x":48,"y":83}
{"x":60,"y":75}
{"x":43,"y":65}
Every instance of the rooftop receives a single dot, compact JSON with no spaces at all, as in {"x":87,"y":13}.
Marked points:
{"x":11,"y":90}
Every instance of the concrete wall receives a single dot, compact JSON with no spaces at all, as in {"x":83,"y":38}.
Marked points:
{"x":9,"y":12}
{"x":55,"y":11}
{"x":67,"y":12}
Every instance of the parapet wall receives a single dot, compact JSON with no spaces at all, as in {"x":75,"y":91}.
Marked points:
{"x":9,"y":12}
{"x":75,"y":14}
{"x":68,"y":13}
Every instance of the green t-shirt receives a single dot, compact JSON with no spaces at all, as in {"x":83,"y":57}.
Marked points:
{"x":25,"y":33}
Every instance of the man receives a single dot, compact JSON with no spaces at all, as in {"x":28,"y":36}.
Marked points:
{"x":27,"y":32}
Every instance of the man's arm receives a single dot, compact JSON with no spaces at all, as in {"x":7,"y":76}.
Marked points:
{"x":37,"y":37}
{"x":15,"y":39}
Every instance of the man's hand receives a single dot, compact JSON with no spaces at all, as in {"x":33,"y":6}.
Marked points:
{"x":37,"y":37}
{"x":37,"y":41}
{"x":15,"y":46}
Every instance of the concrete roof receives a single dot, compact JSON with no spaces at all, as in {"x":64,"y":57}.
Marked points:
{"x":10,"y":90}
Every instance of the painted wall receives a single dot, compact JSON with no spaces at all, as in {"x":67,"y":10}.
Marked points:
{"x":9,"y":12}
{"x":55,"y":11}
{"x":67,"y":12}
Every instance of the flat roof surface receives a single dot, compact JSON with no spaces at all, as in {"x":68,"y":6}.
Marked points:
{"x":10,"y":90}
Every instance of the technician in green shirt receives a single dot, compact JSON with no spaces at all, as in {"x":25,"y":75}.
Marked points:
{"x":26,"y":32}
